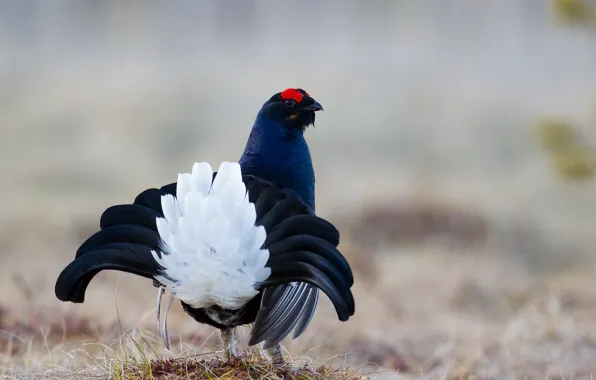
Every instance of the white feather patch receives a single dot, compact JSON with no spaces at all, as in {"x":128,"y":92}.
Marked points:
{"x":211,"y":247}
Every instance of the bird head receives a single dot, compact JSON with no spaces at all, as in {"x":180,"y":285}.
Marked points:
{"x":293,"y":107}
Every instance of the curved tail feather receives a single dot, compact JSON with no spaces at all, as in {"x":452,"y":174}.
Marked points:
{"x":125,"y":233}
{"x":130,"y":214}
{"x":126,"y":257}
{"x":315,"y":244}
{"x":304,"y":224}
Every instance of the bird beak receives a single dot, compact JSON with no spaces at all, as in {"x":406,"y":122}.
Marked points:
{"x":316,"y":106}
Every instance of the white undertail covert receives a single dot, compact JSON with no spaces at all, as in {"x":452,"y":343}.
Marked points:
{"x":211,"y":248}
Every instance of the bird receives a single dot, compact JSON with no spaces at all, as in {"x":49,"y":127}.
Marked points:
{"x":237,"y":246}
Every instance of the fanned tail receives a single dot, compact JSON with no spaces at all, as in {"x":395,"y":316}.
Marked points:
{"x":302,"y":250}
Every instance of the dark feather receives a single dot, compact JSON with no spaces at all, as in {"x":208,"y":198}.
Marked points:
{"x":125,"y":257}
{"x":302,"y":272}
{"x":304,"y":225}
{"x":317,"y":261}
{"x":120,"y":234}
{"x":254,"y":186}
{"x":317,"y":245}
{"x":308,"y":313}
{"x":150,"y":198}
{"x":274,"y":326}
{"x":271,"y":294}
{"x":280,"y":211}
{"x":171,"y":188}
{"x":129,"y":214}
{"x":266,"y":199}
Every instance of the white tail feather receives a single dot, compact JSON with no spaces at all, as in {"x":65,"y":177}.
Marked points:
{"x":211,"y":247}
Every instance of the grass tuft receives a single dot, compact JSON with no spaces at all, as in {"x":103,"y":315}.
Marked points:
{"x":247,"y":366}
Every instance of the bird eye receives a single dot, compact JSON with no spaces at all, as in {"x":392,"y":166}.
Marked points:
{"x":290,"y":102}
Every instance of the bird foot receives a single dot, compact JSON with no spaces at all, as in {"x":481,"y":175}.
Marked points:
{"x":276,"y":356}
{"x":229,"y":338}
{"x":278,"y":359}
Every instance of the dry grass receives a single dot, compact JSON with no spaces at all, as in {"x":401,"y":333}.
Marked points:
{"x":135,"y":355}
{"x":246,"y":367}
{"x":424,"y":311}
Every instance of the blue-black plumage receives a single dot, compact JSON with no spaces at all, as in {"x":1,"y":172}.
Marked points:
{"x":276,"y":149}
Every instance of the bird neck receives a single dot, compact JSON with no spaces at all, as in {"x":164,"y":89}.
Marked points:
{"x":280,"y":156}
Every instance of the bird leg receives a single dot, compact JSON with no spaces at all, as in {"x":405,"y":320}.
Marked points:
{"x":160,"y":291}
{"x":262,"y":351}
{"x":276,"y":355}
{"x":229,"y":339}
{"x":164,"y":330}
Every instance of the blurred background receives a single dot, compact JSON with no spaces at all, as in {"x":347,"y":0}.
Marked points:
{"x":456,"y":154}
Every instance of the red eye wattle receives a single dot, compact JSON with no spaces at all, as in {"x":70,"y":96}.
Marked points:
{"x":292,"y":93}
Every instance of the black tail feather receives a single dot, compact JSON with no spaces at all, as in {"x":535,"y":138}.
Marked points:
{"x":126,"y":257}
{"x":317,"y":261}
{"x":304,"y":224}
{"x":120,"y":234}
{"x":268,"y":199}
{"x":291,"y":304}
{"x":171,"y":187}
{"x":318,"y":246}
{"x":281,"y":211}
{"x":150,"y":198}
{"x":305,"y":318}
{"x":129,"y":214}
{"x":255,"y":188}
{"x":287,"y":272}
